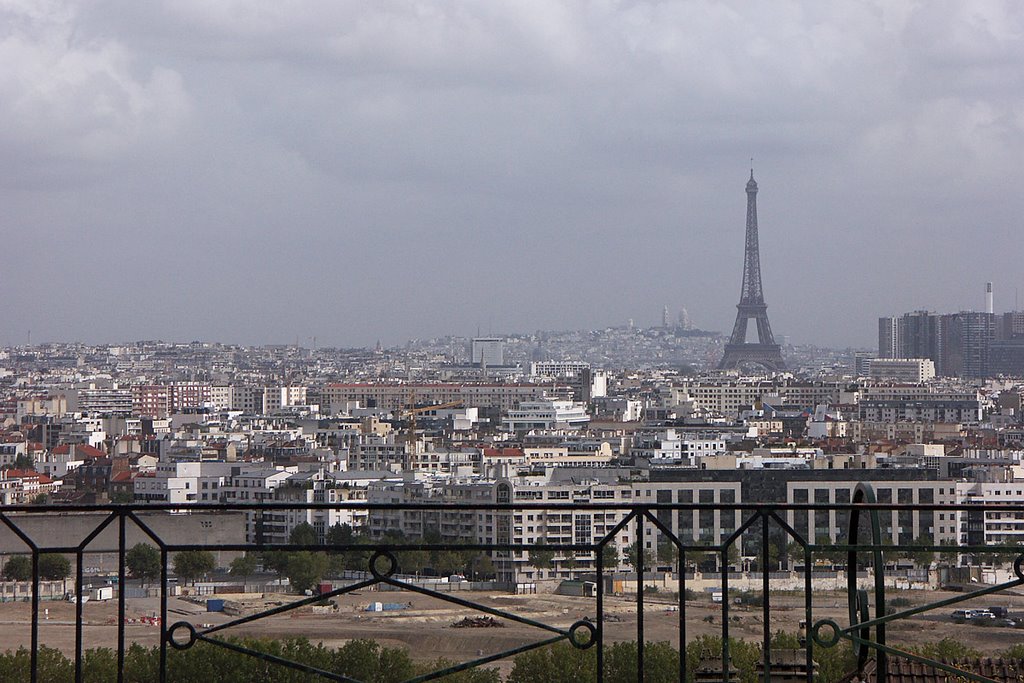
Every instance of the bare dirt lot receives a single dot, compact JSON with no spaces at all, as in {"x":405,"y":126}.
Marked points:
{"x":424,"y":627}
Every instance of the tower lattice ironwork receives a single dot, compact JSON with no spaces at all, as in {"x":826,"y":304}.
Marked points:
{"x":765,"y":352}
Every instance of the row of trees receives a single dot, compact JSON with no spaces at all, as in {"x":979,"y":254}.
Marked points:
{"x":305,"y":568}
{"x":143,"y":562}
{"x":52,"y":567}
{"x":779,"y":554}
{"x":367,"y":660}
{"x":363,"y":660}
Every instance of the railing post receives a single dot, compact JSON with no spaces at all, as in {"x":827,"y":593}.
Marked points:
{"x":163,"y":614}
{"x":726,"y":668}
{"x":808,"y":607}
{"x":681,"y":567}
{"x":640,"y":596}
{"x":79,"y":558}
{"x":120,"y":594}
{"x":600,"y":609}
{"x":765,"y":609}
{"x":35,"y":615}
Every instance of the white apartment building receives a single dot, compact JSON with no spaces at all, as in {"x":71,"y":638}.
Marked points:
{"x":675,"y":447}
{"x":276,"y":398}
{"x":902,"y":369}
{"x":992,"y":527}
{"x":392,"y":397}
{"x":543,"y":415}
{"x":558,"y":368}
{"x":526,"y":528}
{"x":183,"y":482}
{"x":256,"y":484}
{"x":316,"y":486}
{"x":729,"y":397}
{"x":103,"y":401}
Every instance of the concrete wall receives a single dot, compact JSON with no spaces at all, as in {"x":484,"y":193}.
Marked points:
{"x":57,"y":529}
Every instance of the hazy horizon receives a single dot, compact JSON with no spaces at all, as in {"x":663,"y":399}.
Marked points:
{"x":255,"y":172}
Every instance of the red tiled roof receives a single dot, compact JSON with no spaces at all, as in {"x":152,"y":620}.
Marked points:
{"x":22,"y":474}
{"x":506,"y":452}
{"x":81,"y":449}
{"x":89,"y":451}
{"x":906,"y":671}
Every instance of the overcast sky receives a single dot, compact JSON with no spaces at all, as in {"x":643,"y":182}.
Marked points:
{"x":257,"y":171}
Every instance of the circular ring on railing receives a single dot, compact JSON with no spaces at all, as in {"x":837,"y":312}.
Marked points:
{"x":576,"y":637}
{"x":181,"y":626}
{"x":817,"y":637}
{"x":377,"y":572}
{"x":1018,"y":567}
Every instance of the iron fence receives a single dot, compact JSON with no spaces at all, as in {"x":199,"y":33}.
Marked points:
{"x":762,"y":529}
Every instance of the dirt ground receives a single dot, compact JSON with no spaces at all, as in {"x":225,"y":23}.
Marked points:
{"x":424,"y":627}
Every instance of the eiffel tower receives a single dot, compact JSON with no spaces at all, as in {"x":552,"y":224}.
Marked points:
{"x":765,"y":352}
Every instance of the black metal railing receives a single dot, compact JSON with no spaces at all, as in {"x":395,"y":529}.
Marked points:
{"x":760,"y":534}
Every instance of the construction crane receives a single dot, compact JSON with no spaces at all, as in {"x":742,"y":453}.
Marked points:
{"x":410,"y":435}
{"x":414,"y":411}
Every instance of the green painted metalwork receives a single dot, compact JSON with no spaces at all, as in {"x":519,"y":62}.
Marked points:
{"x":861,"y":623}
{"x":865,"y":632}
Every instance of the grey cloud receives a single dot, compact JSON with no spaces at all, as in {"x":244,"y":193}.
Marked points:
{"x":498,"y":154}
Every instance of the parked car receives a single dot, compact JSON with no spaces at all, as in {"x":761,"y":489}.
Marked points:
{"x":962,"y":615}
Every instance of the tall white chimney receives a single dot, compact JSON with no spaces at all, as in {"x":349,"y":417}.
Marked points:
{"x":989,"y":308}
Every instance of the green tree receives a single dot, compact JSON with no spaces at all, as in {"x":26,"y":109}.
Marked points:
{"x":732,"y":556}
{"x":1005,"y":555}
{"x":794,"y":554}
{"x":24,"y":462}
{"x":243,"y":567}
{"x":447,"y":562}
{"x":189,"y":565}
{"x":18,"y":568}
{"x":692,"y":557}
{"x":834,"y":663}
{"x":54,"y":567}
{"x":635,"y":551}
{"x":541,"y":556}
{"x":340,"y":535}
{"x":560,"y":663}
{"x":477,"y":675}
{"x":275,"y":561}
{"x":122,"y":497}
{"x":568,"y":561}
{"x":668,"y":553}
{"x":916,"y":553}
{"x":831,"y":555}
{"x":950,"y":552}
{"x":661,"y":663}
{"x":143,"y":561}
{"x":610,"y":556}
{"x":366,"y":660}
{"x":303,"y":534}
{"x":409,"y":561}
{"x":305,"y":569}
{"x":483,"y":567}
{"x":948,"y":649}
